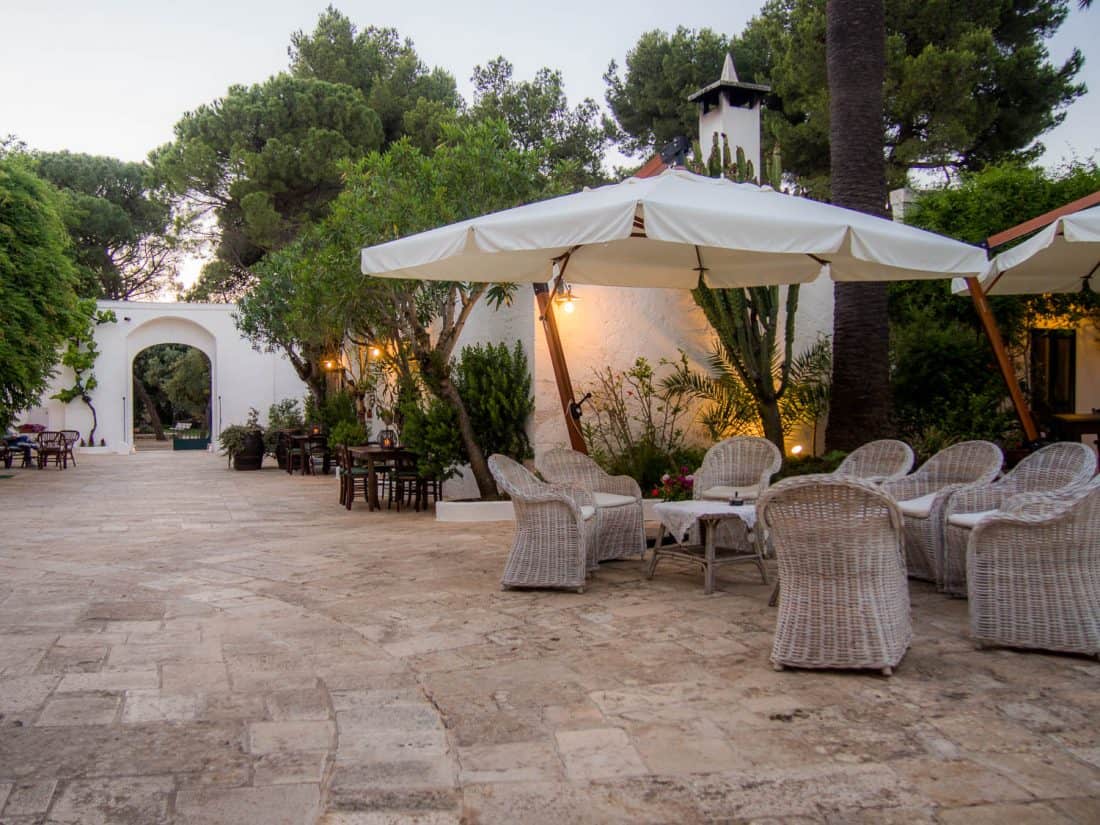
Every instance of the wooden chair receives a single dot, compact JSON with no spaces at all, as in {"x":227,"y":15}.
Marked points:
{"x":72,"y":438}
{"x":295,"y":453}
{"x":316,"y":450}
{"x":404,"y":484}
{"x":52,"y":444}
{"x":351,"y":477}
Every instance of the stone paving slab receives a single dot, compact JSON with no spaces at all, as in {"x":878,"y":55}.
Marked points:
{"x":207,"y":646}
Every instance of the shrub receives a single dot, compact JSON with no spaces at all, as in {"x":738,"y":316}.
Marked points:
{"x":495,"y":386}
{"x":338,"y":406}
{"x":947,"y":387}
{"x":634,"y":427}
{"x":347,"y":434}
{"x":431,"y":431}
{"x":285,"y":415}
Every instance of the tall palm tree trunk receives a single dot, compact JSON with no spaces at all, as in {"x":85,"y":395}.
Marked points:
{"x":856,"y":62}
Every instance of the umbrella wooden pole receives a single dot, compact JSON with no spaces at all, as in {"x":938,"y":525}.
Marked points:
{"x":561,"y":368}
{"x":989,"y":323}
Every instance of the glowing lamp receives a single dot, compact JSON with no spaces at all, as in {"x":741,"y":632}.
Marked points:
{"x":568,"y":301}
{"x":796,"y":449}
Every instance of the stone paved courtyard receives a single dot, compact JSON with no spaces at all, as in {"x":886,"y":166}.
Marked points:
{"x":184,"y":644}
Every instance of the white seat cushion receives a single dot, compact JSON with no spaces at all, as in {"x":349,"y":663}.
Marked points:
{"x":612,"y":500}
{"x":587,"y":512}
{"x":917,"y":507}
{"x":724,"y":493}
{"x":968,"y":520}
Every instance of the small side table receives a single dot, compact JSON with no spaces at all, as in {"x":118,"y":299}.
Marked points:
{"x":677,"y":519}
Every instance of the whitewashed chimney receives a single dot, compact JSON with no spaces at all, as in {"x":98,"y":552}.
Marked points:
{"x":731,"y":109}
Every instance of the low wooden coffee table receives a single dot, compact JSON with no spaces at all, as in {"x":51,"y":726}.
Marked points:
{"x":678,"y":517}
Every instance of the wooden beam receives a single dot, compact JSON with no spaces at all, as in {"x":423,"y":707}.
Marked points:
{"x":561,"y":368}
{"x":1047,"y":218}
{"x":989,"y":323}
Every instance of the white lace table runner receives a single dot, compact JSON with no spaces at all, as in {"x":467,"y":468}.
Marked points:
{"x":679,"y":516}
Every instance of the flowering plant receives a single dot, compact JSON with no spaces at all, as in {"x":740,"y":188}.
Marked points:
{"x":674,"y":486}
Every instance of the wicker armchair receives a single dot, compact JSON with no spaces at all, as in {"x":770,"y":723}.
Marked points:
{"x":878,"y":461}
{"x":742,"y":465}
{"x":1055,"y":468}
{"x":555,"y":529}
{"x":1033,"y":573}
{"x":52,"y":445}
{"x":72,"y":439}
{"x":620,"y":522}
{"x":845,"y":598}
{"x":923,"y":495}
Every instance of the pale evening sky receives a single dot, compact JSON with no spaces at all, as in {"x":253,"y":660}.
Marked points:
{"x":113,"y":76}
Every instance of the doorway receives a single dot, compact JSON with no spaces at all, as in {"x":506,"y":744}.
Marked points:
{"x":172,"y":391}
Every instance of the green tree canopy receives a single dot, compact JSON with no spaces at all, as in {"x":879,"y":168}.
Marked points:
{"x":312,"y":294}
{"x":382,"y":66}
{"x":265,"y":160}
{"x":120,"y":225}
{"x":649,"y":101}
{"x":37,"y":286}
{"x":571,"y":140}
{"x":968,"y":83}
{"x":945,"y":379}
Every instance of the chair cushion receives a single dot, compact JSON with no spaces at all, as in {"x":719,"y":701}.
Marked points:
{"x":968,"y":520}
{"x":612,"y":500}
{"x":917,"y":507}
{"x":587,"y":512}
{"x":723,"y":493}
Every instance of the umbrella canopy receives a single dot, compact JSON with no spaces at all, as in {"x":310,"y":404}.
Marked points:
{"x":664,"y":230}
{"x":1063,"y":257}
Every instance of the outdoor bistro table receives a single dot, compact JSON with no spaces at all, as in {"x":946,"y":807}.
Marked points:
{"x":678,"y":517}
{"x":372,"y":454}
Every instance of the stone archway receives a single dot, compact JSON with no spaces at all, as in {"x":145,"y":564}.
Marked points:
{"x":157,"y":331}
{"x":241,"y":376}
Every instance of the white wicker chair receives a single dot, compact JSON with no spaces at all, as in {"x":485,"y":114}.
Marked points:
{"x":878,"y":461}
{"x":742,"y":465}
{"x":555,"y":529}
{"x":845,"y":598}
{"x":1055,"y":468}
{"x":1033,"y":573}
{"x":923,"y":495}
{"x":620,"y":522}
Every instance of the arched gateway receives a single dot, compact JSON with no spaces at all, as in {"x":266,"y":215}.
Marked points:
{"x":240,"y":376}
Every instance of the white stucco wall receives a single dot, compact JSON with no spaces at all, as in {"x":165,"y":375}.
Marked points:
{"x":1088,"y":368}
{"x":241,"y":377}
{"x":612,"y":327}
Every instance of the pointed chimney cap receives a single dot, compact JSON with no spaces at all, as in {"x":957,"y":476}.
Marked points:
{"x":729,"y":71}
{"x":729,"y":81}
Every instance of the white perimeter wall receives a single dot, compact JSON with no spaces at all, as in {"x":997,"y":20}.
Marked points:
{"x":241,"y":377}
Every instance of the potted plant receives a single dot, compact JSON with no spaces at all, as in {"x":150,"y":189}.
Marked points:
{"x":244,"y":443}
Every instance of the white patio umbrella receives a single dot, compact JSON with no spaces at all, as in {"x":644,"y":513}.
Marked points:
{"x":664,"y":230}
{"x":1063,"y":257}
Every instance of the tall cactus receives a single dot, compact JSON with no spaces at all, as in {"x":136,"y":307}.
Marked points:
{"x":747,"y":320}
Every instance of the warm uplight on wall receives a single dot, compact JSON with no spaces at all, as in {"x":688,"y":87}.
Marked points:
{"x":568,"y":301}
{"x":796,"y":449}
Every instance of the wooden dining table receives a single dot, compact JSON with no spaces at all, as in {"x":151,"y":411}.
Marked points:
{"x":373,"y":455}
